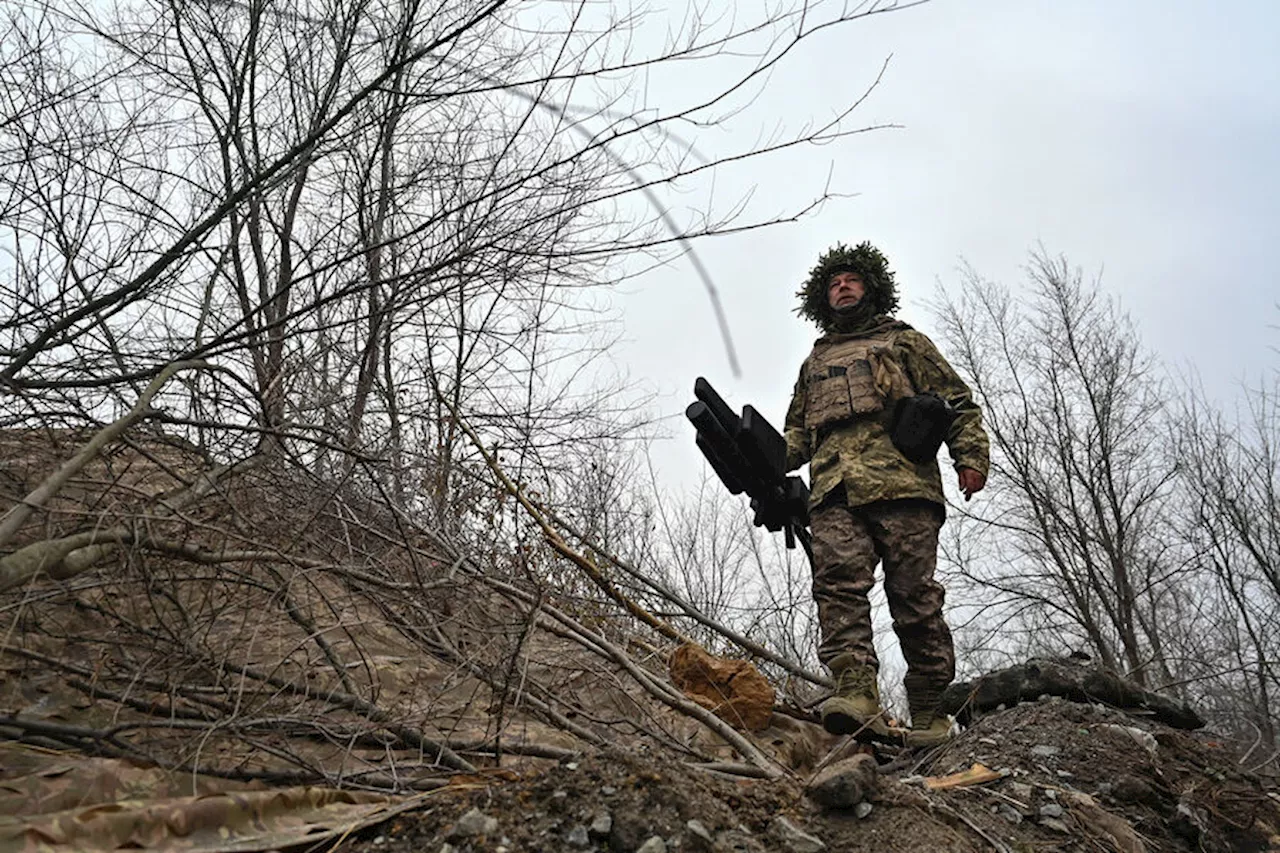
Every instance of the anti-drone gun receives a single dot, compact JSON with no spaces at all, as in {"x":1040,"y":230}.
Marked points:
{"x":749,"y":455}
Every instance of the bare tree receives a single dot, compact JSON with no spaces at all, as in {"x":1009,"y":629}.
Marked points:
{"x":1080,"y":555}
{"x":369,"y":231}
{"x":1231,"y":515}
{"x":358,"y":209}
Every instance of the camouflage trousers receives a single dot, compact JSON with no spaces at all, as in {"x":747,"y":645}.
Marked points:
{"x":848,"y":542}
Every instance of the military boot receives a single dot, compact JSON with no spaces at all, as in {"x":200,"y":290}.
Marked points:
{"x":929,"y":726}
{"x":856,"y":703}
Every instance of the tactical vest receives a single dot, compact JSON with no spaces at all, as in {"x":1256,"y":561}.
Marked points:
{"x":852,"y":378}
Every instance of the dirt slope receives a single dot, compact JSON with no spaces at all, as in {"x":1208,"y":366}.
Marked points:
{"x":255,"y":660}
{"x":1073,"y":777}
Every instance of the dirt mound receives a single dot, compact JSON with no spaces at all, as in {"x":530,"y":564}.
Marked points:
{"x":252,"y":624}
{"x":1070,"y":777}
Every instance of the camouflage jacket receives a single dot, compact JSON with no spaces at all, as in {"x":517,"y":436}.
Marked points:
{"x":865,"y":372}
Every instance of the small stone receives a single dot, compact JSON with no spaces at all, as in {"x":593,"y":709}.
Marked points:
{"x":577,"y":837}
{"x":1055,"y":824}
{"x":861,"y":810}
{"x":794,"y":838}
{"x":654,"y":844}
{"x":474,"y":822}
{"x":1052,"y":810}
{"x":1020,"y":791}
{"x":844,"y":784}
{"x":572,"y":765}
{"x":986,"y":741}
{"x":699,"y":834}
{"x":735,"y":841}
{"x":1009,"y":813}
{"x":1065,"y":774}
{"x":601,"y":825}
{"x":1131,"y":733}
{"x":380,"y":840}
{"x":1044,"y":750}
{"x":559,"y":795}
{"x":608,"y":790}
{"x":1051,"y":794}
{"x":448,"y":848}
{"x":629,"y":830}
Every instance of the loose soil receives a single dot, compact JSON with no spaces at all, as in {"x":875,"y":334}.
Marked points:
{"x":1148,"y":788}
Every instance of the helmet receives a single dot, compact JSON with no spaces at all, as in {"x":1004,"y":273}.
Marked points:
{"x":864,"y":259}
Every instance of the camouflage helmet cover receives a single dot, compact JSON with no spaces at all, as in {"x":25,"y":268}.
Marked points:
{"x":864,"y":259}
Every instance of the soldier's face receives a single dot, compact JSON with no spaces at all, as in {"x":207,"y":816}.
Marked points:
{"x":845,"y":289}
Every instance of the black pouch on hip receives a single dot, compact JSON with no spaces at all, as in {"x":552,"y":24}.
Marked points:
{"x":920,"y":424}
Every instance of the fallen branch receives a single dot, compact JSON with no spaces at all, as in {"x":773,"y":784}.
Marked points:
{"x":38,"y":497}
{"x":656,"y":687}
{"x":72,"y":555}
{"x":366,"y":709}
{"x":689,"y":610}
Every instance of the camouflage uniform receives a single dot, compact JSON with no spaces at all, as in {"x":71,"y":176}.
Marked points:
{"x":869,"y":503}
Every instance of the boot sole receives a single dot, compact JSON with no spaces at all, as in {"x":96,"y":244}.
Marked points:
{"x":837,"y":723}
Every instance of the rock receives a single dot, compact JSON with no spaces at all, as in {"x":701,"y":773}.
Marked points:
{"x":1009,"y":813}
{"x":1131,"y":733}
{"x":844,"y":784}
{"x":1052,"y":810}
{"x":733,"y":690}
{"x":861,"y":810}
{"x":654,"y":844}
{"x":601,"y":824}
{"x":1069,"y":679}
{"x":1020,"y":791}
{"x":608,"y":790}
{"x":577,"y":837}
{"x":448,"y":848}
{"x":474,"y":822}
{"x":702,"y":839}
{"x":793,"y":838}
{"x":735,"y":841}
{"x":1190,"y":822}
{"x":1044,"y":750}
{"x":628,"y":832}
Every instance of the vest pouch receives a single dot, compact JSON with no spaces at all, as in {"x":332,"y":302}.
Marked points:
{"x":920,"y":424}
{"x":841,"y":394}
{"x":864,"y":395}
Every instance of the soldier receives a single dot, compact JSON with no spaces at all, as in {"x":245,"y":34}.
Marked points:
{"x":869,"y":502}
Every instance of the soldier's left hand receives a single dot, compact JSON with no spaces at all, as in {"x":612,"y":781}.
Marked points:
{"x":971,"y":482}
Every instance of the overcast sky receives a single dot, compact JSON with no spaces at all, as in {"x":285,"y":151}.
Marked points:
{"x":1140,"y":138}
